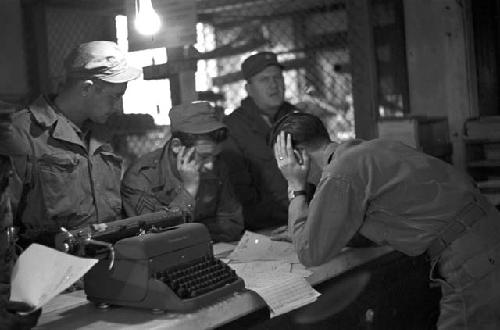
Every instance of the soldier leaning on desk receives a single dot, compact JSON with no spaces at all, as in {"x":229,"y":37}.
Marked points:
{"x":9,"y":319}
{"x":186,"y":173}
{"x":69,"y":175}
{"x":396,"y":196}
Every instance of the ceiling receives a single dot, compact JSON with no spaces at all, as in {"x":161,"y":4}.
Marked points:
{"x":225,"y":12}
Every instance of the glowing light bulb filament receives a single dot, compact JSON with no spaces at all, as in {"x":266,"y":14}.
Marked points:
{"x":147,"y":21}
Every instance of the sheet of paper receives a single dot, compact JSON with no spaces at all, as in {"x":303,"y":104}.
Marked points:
{"x":255,"y":267}
{"x":252,"y":247}
{"x":41,"y":273}
{"x":282,"y":292}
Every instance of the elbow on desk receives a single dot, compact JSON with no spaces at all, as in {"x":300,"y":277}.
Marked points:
{"x":308,"y":257}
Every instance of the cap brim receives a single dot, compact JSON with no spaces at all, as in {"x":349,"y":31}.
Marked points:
{"x":201,"y":129}
{"x":130,"y":74}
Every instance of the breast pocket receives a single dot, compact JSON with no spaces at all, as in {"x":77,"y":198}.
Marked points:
{"x":61,"y":180}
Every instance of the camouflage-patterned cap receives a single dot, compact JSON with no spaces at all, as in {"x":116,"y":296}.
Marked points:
{"x":195,"y":118}
{"x":258,"y":62}
{"x":103,"y":60}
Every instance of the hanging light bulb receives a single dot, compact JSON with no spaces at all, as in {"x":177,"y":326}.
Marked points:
{"x":147,"y":21}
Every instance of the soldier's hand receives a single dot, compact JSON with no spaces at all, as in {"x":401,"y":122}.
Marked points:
{"x":189,"y":169}
{"x":293,"y":163}
{"x":281,"y":234}
{"x":18,"y":316}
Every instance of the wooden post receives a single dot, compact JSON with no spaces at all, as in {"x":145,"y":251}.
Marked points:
{"x":182,"y":70}
{"x":364,"y":69}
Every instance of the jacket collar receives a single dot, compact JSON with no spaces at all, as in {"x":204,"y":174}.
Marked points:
{"x":335,"y":150}
{"x":46,"y":114}
{"x":252,"y":114}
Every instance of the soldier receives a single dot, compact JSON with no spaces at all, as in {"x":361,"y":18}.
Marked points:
{"x":393,"y":195}
{"x":257,"y":182}
{"x":11,"y":316}
{"x":187,"y":174}
{"x":69,"y":175}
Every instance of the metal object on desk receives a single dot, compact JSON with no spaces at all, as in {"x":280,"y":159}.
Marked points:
{"x":165,"y":266}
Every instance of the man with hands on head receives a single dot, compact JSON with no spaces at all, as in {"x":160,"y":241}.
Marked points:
{"x":393,"y":195}
{"x":187,"y":174}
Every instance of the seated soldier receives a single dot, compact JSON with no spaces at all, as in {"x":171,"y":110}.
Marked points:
{"x":11,"y":316}
{"x":187,"y":174}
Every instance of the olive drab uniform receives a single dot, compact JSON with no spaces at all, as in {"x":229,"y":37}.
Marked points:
{"x":153,"y":183}
{"x":69,"y":177}
{"x":394,"y":195}
{"x":258,"y":183}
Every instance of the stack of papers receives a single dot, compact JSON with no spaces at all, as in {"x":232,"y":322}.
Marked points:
{"x":272,"y":269}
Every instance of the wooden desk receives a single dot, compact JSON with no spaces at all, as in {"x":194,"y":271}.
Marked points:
{"x":73,"y":311}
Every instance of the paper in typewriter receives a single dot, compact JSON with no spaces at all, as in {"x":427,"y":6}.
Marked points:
{"x":41,"y":273}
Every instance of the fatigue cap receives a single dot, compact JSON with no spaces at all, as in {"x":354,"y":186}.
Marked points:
{"x":103,"y":60}
{"x":258,"y":62}
{"x":194,"y":118}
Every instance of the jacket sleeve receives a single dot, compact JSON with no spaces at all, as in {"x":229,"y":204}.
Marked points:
{"x":334,"y":215}
{"x":138,"y":196}
{"x":7,"y":248}
{"x":257,"y":213}
{"x":14,"y":136}
{"x":228,"y":224}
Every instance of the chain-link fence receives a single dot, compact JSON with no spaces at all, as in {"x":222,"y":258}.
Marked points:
{"x":309,"y":37}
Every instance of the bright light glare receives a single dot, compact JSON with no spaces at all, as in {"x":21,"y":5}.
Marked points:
{"x":147,"y":21}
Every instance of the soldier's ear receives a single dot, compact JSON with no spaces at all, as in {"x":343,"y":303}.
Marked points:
{"x":176,"y":145}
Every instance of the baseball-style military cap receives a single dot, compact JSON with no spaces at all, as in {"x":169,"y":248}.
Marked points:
{"x":194,"y":118}
{"x":258,"y":62}
{"x":103,"y":60}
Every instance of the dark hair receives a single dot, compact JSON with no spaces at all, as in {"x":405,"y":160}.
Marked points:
{"x":303,"y":127}
{"x":189,"y":139}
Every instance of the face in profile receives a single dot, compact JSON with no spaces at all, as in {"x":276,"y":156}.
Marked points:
{"x":267,"y":88}
{"x":104,"y":100}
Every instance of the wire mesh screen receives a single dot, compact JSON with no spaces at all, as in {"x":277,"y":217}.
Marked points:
{"x":310,"y":39}
{"x":67,"y":29}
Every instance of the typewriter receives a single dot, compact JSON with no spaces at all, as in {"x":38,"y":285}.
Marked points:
{"x":154,"y":261}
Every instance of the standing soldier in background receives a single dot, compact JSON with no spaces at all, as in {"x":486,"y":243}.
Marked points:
{"x":257,"y":181}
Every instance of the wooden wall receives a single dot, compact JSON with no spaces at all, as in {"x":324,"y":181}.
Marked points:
{"x":441,"y":72}
{"x":14,"y":85}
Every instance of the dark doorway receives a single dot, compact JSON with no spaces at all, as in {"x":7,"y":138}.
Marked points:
{"x":486,"y":25}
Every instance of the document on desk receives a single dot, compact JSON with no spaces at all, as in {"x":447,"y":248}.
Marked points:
{"x":272,"y":270}
{"x":282,"y":292}
{"x":254,"y":246}
{"x":41,"y":273}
